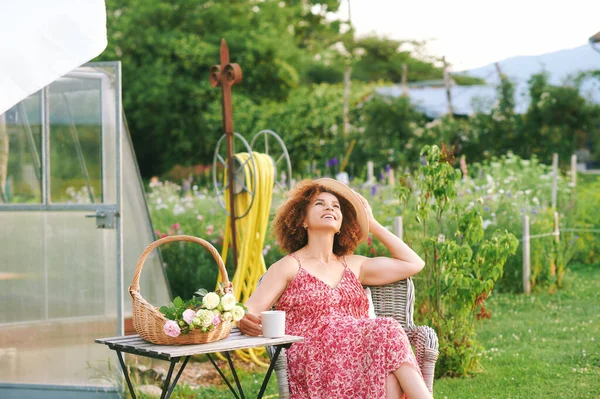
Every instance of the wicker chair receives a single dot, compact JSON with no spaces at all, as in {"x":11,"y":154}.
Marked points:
{"x":393,"y":300}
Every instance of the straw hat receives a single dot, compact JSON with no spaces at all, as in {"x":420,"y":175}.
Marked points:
{"x":343,"y":190}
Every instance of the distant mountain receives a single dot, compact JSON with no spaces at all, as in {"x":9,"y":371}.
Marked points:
{"x":466,"y":100}
{"x":559,"y":64}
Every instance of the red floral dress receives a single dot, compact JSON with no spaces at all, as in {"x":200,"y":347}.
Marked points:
{"x":345,"y":354}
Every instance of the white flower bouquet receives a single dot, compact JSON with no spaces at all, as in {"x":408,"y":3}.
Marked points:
{"x":204,"y":312}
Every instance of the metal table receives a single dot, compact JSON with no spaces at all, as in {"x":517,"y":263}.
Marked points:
{"x":236,"y":340}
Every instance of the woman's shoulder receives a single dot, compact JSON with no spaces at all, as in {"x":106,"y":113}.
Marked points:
{"x":355,"y":262}
{"x":286,"y":266}
{"x":354,"y":259}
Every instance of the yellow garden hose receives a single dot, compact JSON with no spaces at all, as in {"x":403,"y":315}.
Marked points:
{"x":251,"y":231}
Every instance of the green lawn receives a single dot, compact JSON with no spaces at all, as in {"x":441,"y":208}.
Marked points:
{"x":538,"y":347}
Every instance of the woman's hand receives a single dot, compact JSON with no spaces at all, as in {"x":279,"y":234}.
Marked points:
{"x":250,"y":325}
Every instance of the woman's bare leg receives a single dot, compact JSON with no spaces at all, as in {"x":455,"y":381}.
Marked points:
{"x":392,"y":388}
{"x":412,"y":383}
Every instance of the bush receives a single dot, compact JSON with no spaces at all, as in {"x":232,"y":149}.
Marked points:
{"x":462,"y":265}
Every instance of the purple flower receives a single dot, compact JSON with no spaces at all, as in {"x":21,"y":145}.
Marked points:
{"x":188,"y":316}
{"x":332,"y":162}
{"x":266,"y":250}
{"x":172,"y":329}
{"x":374,"y":189}
{"x":388,"y":167}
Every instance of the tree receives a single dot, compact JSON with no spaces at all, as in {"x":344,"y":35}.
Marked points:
{"x":167,"y":48}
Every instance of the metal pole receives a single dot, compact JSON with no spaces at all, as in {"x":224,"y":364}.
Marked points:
{"x":226,"y":75}
{"x":3,"y":158}
{"x":526,"y":256}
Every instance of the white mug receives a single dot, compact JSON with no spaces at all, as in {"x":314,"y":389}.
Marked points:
{"x":273,"y":323}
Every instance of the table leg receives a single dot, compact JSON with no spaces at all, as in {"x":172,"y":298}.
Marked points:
{"x":126,"y":373}
{"x":235,"y":377}
{"x":176,"y":377}
{"x":222,"y":376}
{"x":269,"y":371}
{"x":168,"y":386}
{"x":168,"y":378}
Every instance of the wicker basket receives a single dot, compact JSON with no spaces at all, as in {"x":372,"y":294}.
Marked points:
{"x":148,"y":321}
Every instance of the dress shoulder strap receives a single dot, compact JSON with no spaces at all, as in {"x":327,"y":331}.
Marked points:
{"x":293,"y":255}
{"x":343,"y":260}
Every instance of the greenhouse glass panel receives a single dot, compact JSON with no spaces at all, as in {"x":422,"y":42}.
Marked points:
{"x":76,"y":140}
{"x":20,"y":149}
{"x":137,"y":234}
{"x":61,"y":246}
{"x":70,"y":236}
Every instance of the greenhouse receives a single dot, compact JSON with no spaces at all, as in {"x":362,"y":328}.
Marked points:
{"x":73,"y":221}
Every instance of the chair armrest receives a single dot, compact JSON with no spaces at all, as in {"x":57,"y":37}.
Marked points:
{"x":425,"y":341}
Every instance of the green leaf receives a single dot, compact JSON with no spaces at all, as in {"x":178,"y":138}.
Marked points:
{"x":164,"y":309}
{"x":178,"y":302}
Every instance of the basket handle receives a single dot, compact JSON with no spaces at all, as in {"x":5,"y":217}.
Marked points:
{"x":135,"y":285}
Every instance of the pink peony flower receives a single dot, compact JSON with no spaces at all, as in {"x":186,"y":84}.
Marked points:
{"x":217,"y":320}
{"x":188,"y":316}
{"x":199,"y":217}
{"x":209,"y":229}
{"x":176,"y":226}
{"x":172,"y":329}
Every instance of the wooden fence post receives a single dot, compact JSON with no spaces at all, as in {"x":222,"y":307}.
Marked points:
{"x":554,"y":179}
{"x":574,"y":170}
{"x":370,"y":177}
{"x":557,"y":239}
{"x":398,"y":228}
{"x":526,"y":256}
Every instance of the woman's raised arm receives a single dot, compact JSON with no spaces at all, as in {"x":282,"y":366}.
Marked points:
{"x":403,"y":263}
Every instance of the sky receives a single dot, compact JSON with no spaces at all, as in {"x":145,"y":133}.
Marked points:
{"x":474,"y":33}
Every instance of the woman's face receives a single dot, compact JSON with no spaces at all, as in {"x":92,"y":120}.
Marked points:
{"x":324,"y":213}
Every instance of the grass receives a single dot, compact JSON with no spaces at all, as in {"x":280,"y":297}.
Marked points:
{"x":537,"y":347}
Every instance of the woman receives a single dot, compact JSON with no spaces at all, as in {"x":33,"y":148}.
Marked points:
{"x":344,"y":354}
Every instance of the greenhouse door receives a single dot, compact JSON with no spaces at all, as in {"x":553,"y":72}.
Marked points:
{"x":61,"y":268}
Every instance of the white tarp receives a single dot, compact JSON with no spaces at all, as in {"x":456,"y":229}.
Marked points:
{"x":41,"y":40}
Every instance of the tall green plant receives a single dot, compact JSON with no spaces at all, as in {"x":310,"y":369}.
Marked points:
{"x":461,"y":266}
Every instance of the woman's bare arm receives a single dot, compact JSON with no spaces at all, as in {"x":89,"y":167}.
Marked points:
{"x":267,"y":293}
{"x":403,"y":263}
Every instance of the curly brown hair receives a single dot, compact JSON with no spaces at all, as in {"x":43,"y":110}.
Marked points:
{"x":288,"y":229}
